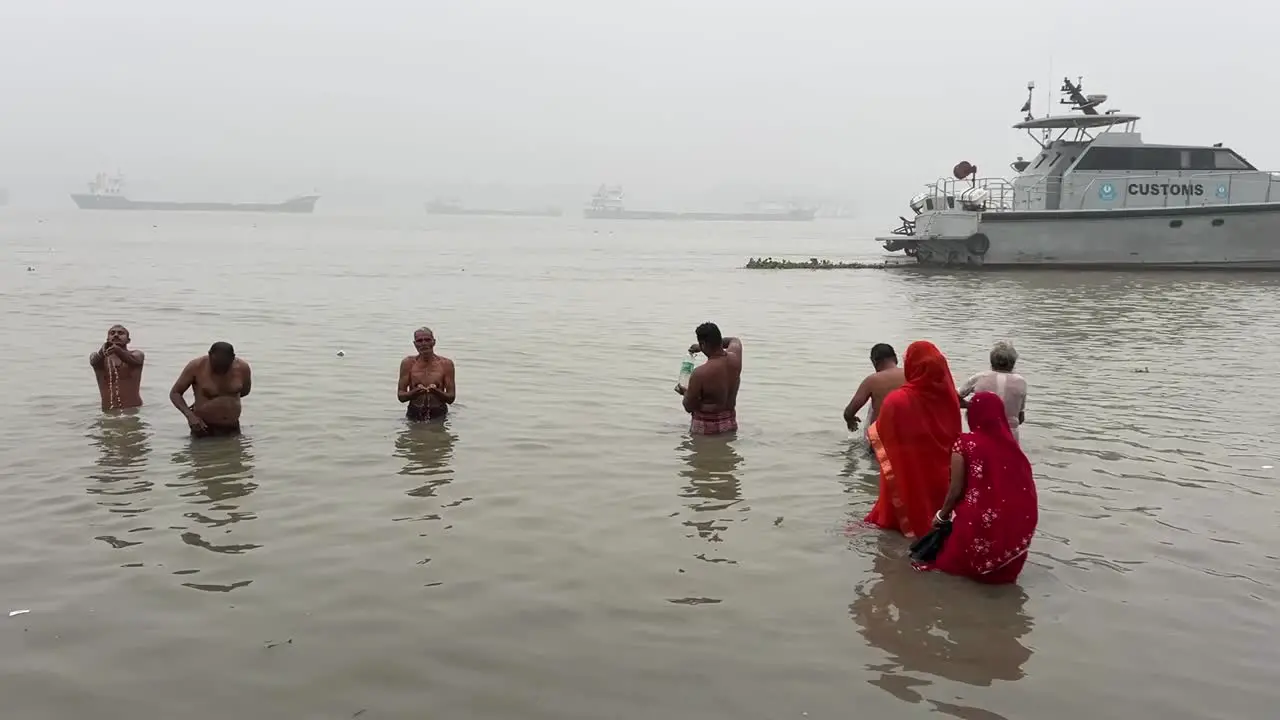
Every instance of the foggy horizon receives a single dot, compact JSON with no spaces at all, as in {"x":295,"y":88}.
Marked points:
{"x":264,"y":101}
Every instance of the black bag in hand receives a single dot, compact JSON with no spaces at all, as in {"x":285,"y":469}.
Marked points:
{"x":926,"y":548}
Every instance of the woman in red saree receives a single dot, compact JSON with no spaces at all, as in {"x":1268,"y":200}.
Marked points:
{"x":993,"y":496}
{"x":912,"y":437}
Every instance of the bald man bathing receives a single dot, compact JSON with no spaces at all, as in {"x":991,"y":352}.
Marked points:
{"x":217,"y":382}
{"x":427,"y":381}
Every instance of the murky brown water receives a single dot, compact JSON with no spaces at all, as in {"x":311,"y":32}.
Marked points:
{"x":561,"y":549}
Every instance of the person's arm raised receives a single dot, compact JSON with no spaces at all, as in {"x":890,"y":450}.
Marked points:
{"x":131,"y":357}
{"x":733,"y":345}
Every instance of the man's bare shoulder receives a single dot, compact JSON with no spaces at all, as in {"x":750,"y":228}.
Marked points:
{"x":887,"y":378}
{"x":703,"y":369}
{"x":445,"y":361}
{"x":408,"y":360}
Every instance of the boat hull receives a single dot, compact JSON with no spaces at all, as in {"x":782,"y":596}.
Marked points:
{"x":85,"y":201}
{"x":791,"y":216}
{"x":1240,"y":236}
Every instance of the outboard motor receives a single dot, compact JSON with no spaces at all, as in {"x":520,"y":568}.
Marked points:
{"x":918,"y":202}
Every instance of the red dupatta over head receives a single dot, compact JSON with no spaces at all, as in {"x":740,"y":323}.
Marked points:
{"x":996,"y":518}
{"x":913,"y":437}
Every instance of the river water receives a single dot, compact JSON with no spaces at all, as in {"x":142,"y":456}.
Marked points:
{"x":560,"y":548}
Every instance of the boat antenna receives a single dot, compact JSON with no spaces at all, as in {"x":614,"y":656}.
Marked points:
{"x":1077,"y":99}
{"x":1048,"y":105}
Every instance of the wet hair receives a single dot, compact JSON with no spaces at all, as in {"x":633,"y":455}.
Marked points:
{"x":222,"y":348}
{"x":708,"y":333}
{"x":881,"y":352}
{"x":424,"y":329}
{"x":1003,"y":356}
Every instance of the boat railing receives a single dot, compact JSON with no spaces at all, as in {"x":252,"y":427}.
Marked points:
{"x":980,"y":194}
{"x":1224,"y":184}
{"x":1037,"y":194}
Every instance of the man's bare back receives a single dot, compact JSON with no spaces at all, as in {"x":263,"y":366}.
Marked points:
{"x":712,"y":396}
{"x":881,"y":384}
{"x":717,"y":382}
{"x":876,"y":386}
{"x":118,"y":371}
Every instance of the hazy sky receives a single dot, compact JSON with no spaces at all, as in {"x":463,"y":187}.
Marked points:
{"x":856,"y":98}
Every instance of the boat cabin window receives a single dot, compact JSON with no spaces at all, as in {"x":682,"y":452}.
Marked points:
{"x":1158,"y":158}
{"x":1228,"y":160}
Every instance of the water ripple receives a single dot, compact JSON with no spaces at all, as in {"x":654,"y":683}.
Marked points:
{"x":562,"y":513}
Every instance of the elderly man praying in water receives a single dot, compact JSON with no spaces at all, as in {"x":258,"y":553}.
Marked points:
{"x":1003,"y":381}
{"x":427,"y":380}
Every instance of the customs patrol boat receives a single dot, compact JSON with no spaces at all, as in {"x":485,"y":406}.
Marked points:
{"x":1098,"y":196}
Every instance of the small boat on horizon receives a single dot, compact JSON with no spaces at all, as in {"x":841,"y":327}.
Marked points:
{"x":452,"y":207}
{"x":606,"y":204}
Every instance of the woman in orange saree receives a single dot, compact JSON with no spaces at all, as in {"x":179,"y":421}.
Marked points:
{"x":912,"y":437}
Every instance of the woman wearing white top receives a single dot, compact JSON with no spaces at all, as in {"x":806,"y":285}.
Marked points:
{"x":1003,"y":381}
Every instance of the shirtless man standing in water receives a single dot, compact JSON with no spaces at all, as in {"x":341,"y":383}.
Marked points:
{"x":712,"y":396}
{"x":426,"y":380}
{"x":118,"y":370}
{"x":876,"y":386}
{"x":217,"y":382}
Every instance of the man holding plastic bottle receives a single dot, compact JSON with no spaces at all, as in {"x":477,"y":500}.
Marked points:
{"x":711,"y":398}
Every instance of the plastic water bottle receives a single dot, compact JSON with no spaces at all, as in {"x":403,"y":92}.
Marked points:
{"x":686,"y":370}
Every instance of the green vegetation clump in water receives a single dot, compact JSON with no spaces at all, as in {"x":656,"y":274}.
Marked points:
{"x":769,"y":263}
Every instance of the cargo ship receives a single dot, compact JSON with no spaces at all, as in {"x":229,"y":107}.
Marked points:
{"x":452,"y":207}
{"x":606,"y":204}
{"x":107,"y":193}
